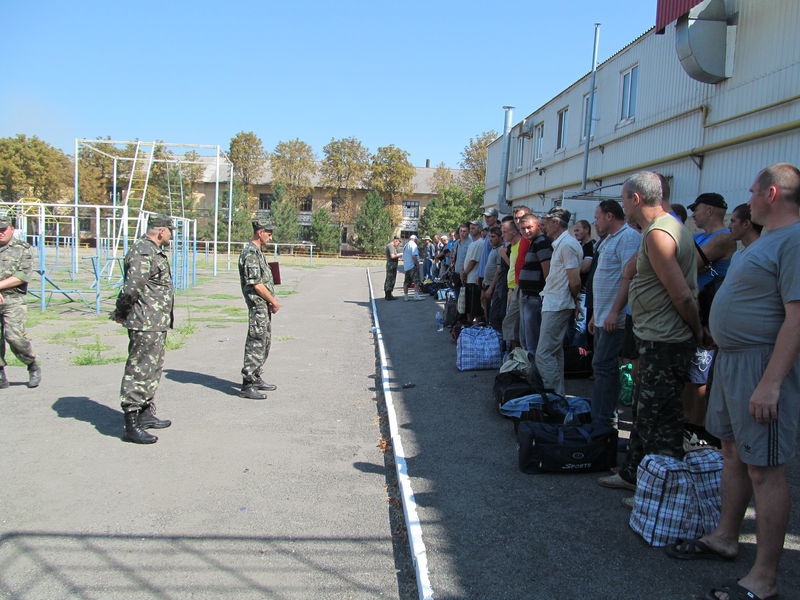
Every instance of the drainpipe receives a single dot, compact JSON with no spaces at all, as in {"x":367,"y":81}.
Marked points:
{"x":588,"y":123}
{"x":501,"y":194}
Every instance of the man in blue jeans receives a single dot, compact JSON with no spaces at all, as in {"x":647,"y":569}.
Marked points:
{"x":620,"y":242}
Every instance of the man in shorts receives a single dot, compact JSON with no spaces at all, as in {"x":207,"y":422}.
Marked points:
{"x":755,"y":400}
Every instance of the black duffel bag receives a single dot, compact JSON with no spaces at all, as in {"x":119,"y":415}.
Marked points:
{"x":570,"y":448}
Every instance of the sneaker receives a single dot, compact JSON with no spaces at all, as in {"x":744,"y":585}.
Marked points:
{"x":628,"y":502}
{"x":405,"y":297}
{"x":616,"y":482}
{"x":418,"y":297}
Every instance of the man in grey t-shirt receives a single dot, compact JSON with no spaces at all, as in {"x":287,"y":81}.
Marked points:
{"x":755,"y":400}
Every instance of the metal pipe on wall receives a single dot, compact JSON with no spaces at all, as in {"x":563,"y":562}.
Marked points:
{"x":590,"y":108}
{"x":501,"y":194}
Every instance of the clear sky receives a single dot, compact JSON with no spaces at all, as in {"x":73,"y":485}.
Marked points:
{"x":425,"y":76}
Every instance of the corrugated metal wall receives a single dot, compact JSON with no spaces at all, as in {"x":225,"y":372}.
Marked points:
{"x":670,"y":116}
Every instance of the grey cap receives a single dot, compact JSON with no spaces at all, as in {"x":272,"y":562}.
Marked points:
{"x":160,"y":221}
{"x":559,"y":214}
{"x":491,"y":212}
{"x":477,"y":223}
{"x":260,"y":224}
{"x":5,"y":220}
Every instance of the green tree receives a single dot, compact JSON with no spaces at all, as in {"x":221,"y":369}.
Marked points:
{"x":442,"y":178}
{"x":293,"y":164}
{"x":343,"y":170}
{"x":451,"y":207}
{"x":473,"y":159}
{"x":373,"y":224}
{"x":247,"y":154}
{"x":392,"y":175}
{"x":323,"y":233}
{"x":284,"y":215}
{"x":32,"y":167}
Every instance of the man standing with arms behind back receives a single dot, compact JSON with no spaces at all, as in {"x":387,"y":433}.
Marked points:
{"x":666,"y":324}
{"x":15,"y":271}
{"x":144,"y":308}
{"x":755,"y":400}
{"x":258,"y":290}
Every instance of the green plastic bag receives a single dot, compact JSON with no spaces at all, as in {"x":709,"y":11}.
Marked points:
{"x":625,"y":385}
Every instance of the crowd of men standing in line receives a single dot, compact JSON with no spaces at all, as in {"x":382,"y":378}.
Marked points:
{"x":673,"y":304}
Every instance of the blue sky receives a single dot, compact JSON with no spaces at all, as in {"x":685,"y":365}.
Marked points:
{"x":425,"y":76}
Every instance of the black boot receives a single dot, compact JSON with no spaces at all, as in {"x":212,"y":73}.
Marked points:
{"x":34,"y":375}
{"x":389,"y":296}
{"x":249,"y":390}
{"x":149,"y":420}
{"x":262,"y":385}
{"x":134,"y":433}
{"x":3,"y":379}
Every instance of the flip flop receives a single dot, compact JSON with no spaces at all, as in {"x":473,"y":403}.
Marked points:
{"x":694,"y":550}
{"x":736,"y":592}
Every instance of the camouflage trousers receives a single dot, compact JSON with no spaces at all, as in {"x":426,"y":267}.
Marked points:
{"x":658,"y":409}
{"x":143,"y":368}
{"x":259,"y":339}
{"x":391,"y":276}
{"x":12,"y":332}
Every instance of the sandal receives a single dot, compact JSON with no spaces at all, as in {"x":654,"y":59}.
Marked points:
{"x":695,"y":550}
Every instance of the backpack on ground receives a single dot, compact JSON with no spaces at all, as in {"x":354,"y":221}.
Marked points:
{"x":510,"y":385}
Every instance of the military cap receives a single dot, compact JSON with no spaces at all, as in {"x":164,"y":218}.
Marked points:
{"x":160,"y":221}
{"x":5,"y":220}
{"x":711,"y":199}
{"x":259,"y":224}
{"x":559,"y":214}
{"x":491,"y":212}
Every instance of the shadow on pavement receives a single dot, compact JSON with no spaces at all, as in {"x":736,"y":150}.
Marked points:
{"x":105,"y":420}
{"x":45,"y":564}
{"x":209,"y":381}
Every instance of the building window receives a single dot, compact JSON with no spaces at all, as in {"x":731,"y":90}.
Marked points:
{"x":520,"y":151}
{"x":411,"y":209}
{"x":336,"y":202}
{"x":265,"y":201}
{"x":538,"y":141}
{"x":588,"y":122}
{"x":561,"y":136}
{"x":630,"y":80}
{"x":344,"y":235}
{"x":224,"y":197}
{"x":305,"y":233}
{"x":406,"y":234}
{"x":306,"y":203}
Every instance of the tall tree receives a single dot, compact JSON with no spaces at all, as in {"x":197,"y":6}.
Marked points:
{"x":293,"y":164}
{"x":442,"y":178}
{"x":323,"y":233}
{"x":32,"y":167}
{"x":392,"y":175}
{"x":247,"y":154}
{"x":451,"y":207}
{"x":284,"y":216}
{"x":473,"y":159}
{"x":343,"y":170}
{"x":373,"y":224}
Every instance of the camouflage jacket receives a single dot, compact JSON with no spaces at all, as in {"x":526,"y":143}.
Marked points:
{"x":16,"y":260}
{"x":146,"y":298}
{"x":253,"y":269}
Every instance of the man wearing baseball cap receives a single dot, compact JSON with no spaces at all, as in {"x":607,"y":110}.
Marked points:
{"x":144,"y":308}
{"x":258,"y":289}
{"x":411,"y":268}
{"x":16,"y":262}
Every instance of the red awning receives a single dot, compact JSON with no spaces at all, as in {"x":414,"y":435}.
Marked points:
{"x":669,"y":10}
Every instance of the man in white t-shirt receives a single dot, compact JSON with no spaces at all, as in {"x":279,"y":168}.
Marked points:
{"x":411,"y":268}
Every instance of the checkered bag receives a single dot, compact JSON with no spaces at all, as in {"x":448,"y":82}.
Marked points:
{"x":677,"y":499}
{"x":478,"y":348}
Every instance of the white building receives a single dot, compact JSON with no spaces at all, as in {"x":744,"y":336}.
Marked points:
{"x":708,"y":122}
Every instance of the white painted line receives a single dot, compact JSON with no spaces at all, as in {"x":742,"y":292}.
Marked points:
{"x":413,"y":526}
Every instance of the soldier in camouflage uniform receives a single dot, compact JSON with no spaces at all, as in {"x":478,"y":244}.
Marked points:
{"x":392,"y":257}
{"x":144,"y":308}
{"x":15,"y":272}
{"x":258,"y":289}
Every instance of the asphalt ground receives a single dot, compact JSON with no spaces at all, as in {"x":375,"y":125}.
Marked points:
{"x":493,"y":532}
{"x":284,"y":498}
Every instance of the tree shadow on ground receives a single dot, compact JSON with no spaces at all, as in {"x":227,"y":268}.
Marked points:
{"x":209,"y":381}
{"x":105,"y":420}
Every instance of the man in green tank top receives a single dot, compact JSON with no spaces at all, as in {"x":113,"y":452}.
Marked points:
{"x":666,"y":323}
